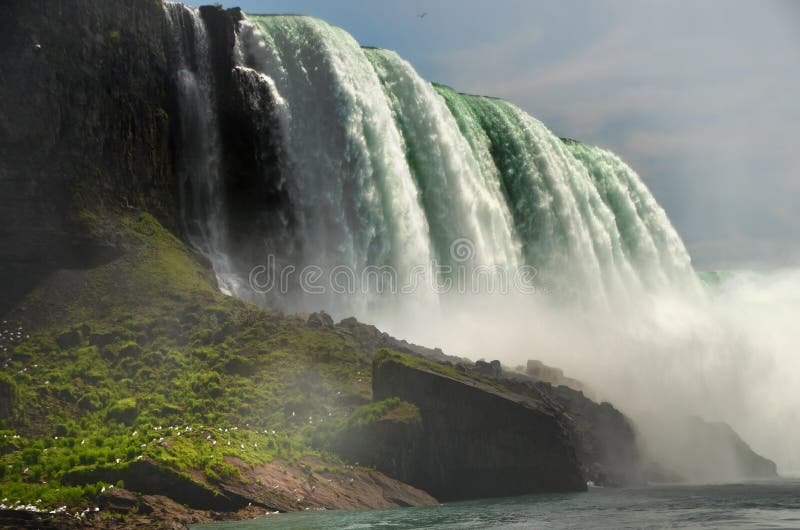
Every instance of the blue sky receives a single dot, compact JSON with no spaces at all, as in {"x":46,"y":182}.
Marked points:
{"x":701,"y":98}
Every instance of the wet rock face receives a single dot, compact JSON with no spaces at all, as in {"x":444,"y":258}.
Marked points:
{"x":690,"y":449}
{"x":606,"y":442}
{"x":90,"y":121}
{"x":261,"y":217}
{"x":84,"y":122}
{"x":475,"y":440}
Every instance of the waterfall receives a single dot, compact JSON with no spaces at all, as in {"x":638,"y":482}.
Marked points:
{"x":385,"y":170}
{"x":458,"y":199}
{"x":648,"y":238}
{"x":348,"y":165}
{"x":577,"y":208}
{"x":357,"y":201}
{"x":198,"y":145}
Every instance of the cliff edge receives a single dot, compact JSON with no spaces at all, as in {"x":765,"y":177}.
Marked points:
{"x":471,"y":439}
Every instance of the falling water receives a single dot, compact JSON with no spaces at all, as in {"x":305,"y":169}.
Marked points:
{"x":199,"y":146}
{"x":383,"y":169}
{"x":357,"y":200}
{"x":459,"y":201}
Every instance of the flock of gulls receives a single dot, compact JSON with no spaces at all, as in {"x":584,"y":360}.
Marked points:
{"x":10,"y":337}
{"x":161,"y":436}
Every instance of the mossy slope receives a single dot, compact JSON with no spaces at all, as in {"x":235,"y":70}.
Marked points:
{"x":142,"y":359}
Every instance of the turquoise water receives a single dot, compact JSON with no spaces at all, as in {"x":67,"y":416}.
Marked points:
{"x":762,"y":505}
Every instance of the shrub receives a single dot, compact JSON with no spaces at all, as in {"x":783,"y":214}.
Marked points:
{"x":8,"y":396}
{"x":124,"y":411}
{"x":388,"y":409}
{"x":92,"y":400}
{"x":239,"y":365}
{"x":206,"y":383}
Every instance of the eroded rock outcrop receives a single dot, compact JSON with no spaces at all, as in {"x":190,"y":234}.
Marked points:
{"x":604,"y":440}
{"x":314,"y":484}
{"x":284,"y":486}
{"x":150,"y":478}
{"x":690,"y":449}
{"x":474,"y":439}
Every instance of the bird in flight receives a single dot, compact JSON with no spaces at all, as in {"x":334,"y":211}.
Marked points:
{"x":422,"y":15}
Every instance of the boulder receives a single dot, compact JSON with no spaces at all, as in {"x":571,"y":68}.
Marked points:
{"x":69,"y":339}
{"x":118,"y":500}
{"x":490,"y":369}
{"x":320,"y":320}
{"x":474,"y":440}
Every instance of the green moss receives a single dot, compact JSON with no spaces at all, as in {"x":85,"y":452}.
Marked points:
{"x":392,"y":409}
{"x":123,"y":410}
{"x":161,"y":366}
{"x":391,"y":356}
{"x":88,"y":219}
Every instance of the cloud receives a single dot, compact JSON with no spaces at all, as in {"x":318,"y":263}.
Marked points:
{"x":739,"y":252}
{"x":500,"y":54}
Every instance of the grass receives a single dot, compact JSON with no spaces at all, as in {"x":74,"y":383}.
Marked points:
{"x":337,"y":435}
{"x":391,"y":409}
{"x":142,"y":358}
{"x":386,"y":355}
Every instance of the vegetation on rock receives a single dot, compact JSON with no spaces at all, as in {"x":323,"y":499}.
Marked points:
{"x":142,"y":359}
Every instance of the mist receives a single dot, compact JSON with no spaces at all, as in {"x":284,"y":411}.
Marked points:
{"x":434,"y":177}
{"x":728,"y":353}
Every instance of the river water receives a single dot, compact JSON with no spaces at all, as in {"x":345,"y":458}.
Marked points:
{"x":757,"y":505}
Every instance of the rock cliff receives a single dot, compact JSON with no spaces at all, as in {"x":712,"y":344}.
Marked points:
{"x":606,"y":441}
{"x":473,"y":439}
{"x":90,"y":121}
{"x":84,"y":121}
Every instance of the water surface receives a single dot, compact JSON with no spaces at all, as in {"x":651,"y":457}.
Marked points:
{"x":758,"y":505}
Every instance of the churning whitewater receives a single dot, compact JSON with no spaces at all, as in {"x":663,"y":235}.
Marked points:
{"x":386,"y":169}
{"x":391,"y":170}
{"x":426,"y":189}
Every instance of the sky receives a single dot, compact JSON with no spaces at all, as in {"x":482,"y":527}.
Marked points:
{"x":702,"y":99}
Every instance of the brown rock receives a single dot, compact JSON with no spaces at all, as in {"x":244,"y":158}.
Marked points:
{"x":118,"y":500}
